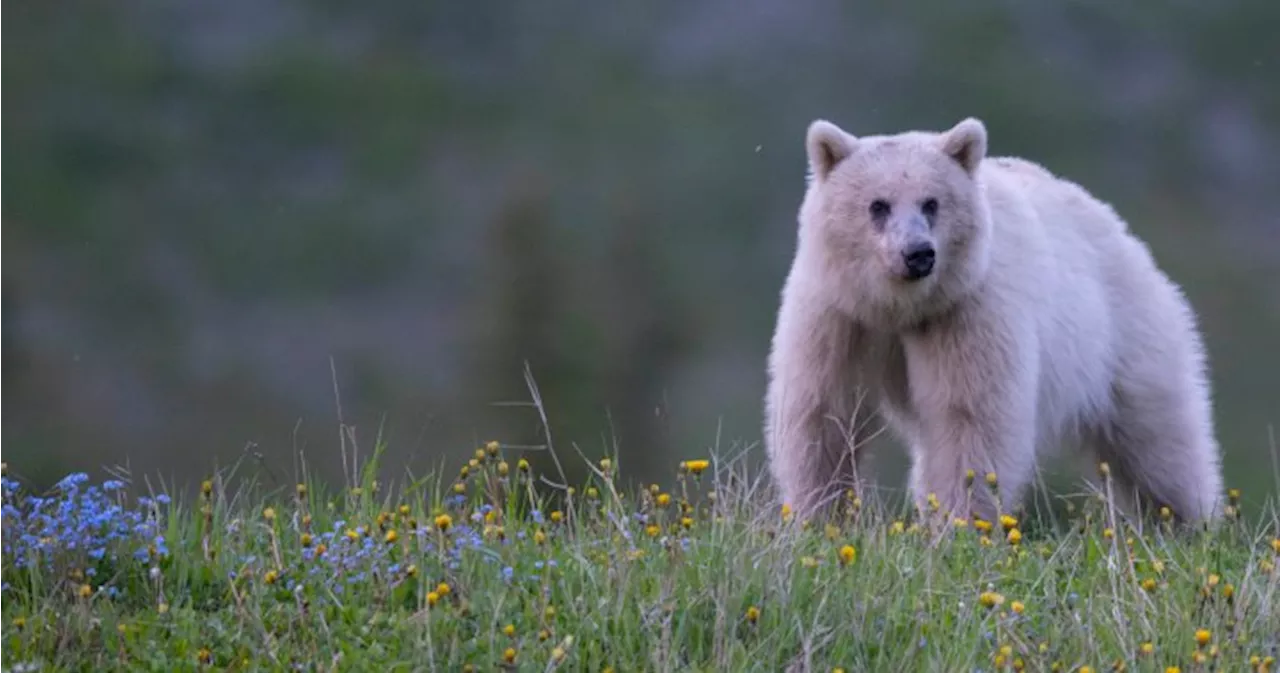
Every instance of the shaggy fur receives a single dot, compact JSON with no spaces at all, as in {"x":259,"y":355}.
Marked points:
{"x":1045,"y":323}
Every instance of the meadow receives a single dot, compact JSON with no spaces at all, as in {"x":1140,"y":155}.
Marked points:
{"x":497,"y":567}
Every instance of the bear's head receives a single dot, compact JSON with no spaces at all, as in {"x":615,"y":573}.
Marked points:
{"x":897,"y":225}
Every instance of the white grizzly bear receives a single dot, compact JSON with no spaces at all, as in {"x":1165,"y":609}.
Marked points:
{"x":991,"y":311}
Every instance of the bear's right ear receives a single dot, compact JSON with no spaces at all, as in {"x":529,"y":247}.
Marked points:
{"x":827,"y":146}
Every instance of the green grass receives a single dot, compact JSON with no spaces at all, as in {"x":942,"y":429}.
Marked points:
{"x":731,"y":584}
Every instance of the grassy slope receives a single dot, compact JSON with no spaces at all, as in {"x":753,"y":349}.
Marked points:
{"x":351,"y":581}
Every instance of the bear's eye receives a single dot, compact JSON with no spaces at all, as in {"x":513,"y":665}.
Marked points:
{"x":929,"y":207}
{"x":879,"y":208}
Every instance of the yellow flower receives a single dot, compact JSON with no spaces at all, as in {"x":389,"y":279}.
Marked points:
{"x":831,"y":531}
{"x":1157,"y":566}
{"x":753,"y":614}
{"x":503,"y":468}
{"x":271,"y":577}
{"x":549,"y":612}
{"x":1149,"y":584}
{"x":352,"y":534}
{"x":85,"y":591}
{"x":960,"y":522}
{"x":1166,"y":513}
{"x":269,"y":514}
{"x":848,"y":554}
{"x":1108,"y":533}
{"x":990,"y":599}
{"x":593,"y":492}
{"x":606,"y":464}
{"x":411,"y":571}
{"x":1228,"y":591}
{"x":443,"y":522}
{"x":392,"y":536}
{"x":686,"y":522}
{"x":1214,"y":578}
{"x":443,"y":589}
{"x":1203,"y":636}
{"x":432,"y":599}
{"x":697,"y":466}
{"x":509,"y":655}
{"x":19,"y":623}
{"x":992,"y":481}
{"x":163,"y":608}
{"x":557,"y":654}
{"x":493,"y":447}
{"x":460,"y":488}
{"x":1008,"y":522}
{"x":305,"y":539}
{"x":1086,"y":669}
{"x":206,"y":488}
{"x":982,"y":526}
{"x":204,"y":655}
{"x":522,"y":465}
{"x":1017,"y":607}
{"x":480,"y":455}
{"x":556,"y":516}
{"x":1275,"y":545}
{"x":539,"y":537}
{"x":509,"y":630}
{"x":786,"y":512}
{"x":933,"y":501}
{"x":968,"y":478}
{"x":302,"y":490}
{"x":1015,"y":536}
{"x":1104,"y":469}
{"x":1146,"y":648}
{"x":652,"y":530}
{"x":1172,"y":669}
{"x":664,"y":499}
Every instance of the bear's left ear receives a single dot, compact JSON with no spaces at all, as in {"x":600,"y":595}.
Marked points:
{"x":966,"y":142}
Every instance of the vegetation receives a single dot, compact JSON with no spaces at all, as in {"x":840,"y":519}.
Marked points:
{"x":500,"y":568}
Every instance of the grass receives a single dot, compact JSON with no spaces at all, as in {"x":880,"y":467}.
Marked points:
{"x":498,"y":569}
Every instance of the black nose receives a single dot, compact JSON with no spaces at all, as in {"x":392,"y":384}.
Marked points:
{"x":918,"y":258}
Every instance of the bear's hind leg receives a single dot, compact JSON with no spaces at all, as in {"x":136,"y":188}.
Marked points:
{"x":1161,"y":452}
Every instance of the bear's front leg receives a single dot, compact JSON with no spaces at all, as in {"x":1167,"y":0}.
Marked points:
{"x":973,"y":387}
{"x":815,"y":414}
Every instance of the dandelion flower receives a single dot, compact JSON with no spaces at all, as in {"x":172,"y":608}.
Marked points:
{"x":652,"y":530}
{"x":509,"y":630}
{"x":1275,"y":545}
{"x":1108,"y":533}
{"x":753,"y":614}
{"x":1015,"y":536}
{"x":539,"y":537}
{"x":443,"y":522}
{"x":271,"y":577}
{"x":503,"y":468}
{"x":305,"y":539}
{"x":990,"y":599}
{"x":85,"y":591}
{"x":509,"y":655}
{"x":1172,"y":669}
{"x":1146,"y":648}
{"x":809,"y":562}
{"x":204,"y":655}
{"x":786,"y":512}
{"x":269,"y":514}
{"x":1203,"y":636}
{"x":697,"y":466}
{"x":557,"y":516}
{"x":557,"y":654}
{"x":992,"y":481}
{"x":443,"y":589}
{"x":1017,"y":607}
{"x":1104,"y":469}
{"x":1149,"y":584}
{"x":522,"y":465}
{"x":492,"y":447}
{"x":848,"y":554}
{"x":432,"y":599}
{"x":606,"y":464}
{"x":411,"y":571}
{"x":392,"y":536}
{"x":593,"y":492}
{"x":982,"y":526}
{"x":664,"y":499}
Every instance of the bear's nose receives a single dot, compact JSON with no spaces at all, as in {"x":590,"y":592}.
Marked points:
{"x":918,"y":258}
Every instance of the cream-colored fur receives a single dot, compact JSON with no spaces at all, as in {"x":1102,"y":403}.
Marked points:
{"x":1044,"y":324}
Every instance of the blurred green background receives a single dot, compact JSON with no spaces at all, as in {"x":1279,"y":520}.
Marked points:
{"x":208,"y":203}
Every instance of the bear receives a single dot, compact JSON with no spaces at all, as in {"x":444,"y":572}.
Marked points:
{"x":992,"y":314}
